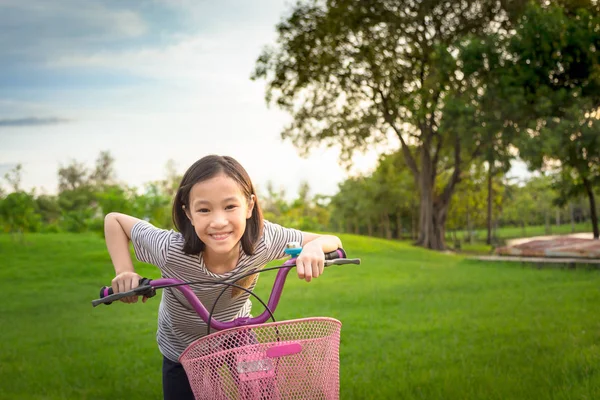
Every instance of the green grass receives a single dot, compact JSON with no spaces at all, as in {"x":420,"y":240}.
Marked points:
{"x":512,"y":232}
{"x":416,"y":325}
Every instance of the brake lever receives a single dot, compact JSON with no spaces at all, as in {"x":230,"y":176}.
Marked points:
{"x":142,"y":290}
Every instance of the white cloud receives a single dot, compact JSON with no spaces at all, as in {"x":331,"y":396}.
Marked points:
{"x":223,"y":58}
{"x":198,"y":100}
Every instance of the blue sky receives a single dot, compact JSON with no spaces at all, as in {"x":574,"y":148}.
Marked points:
{"x":150,"y":81}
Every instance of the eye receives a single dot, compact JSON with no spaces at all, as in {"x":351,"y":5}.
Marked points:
{"x":203,"y":210}
{"x":231,"y":207}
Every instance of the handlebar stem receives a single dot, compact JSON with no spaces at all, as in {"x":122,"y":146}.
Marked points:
{"x":219,"y":325}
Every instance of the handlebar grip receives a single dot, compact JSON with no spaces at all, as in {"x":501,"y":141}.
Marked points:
{"x":143,"y":289}
{"x":339,"y":253}
{"x":342,"y":261}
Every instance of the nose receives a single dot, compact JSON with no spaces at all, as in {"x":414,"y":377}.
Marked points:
{"x":219,"y":220}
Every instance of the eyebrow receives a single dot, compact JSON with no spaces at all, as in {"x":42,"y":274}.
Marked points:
{"x":226,"y":200}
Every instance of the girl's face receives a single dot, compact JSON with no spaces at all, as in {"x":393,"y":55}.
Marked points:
{"x":218,"y":211}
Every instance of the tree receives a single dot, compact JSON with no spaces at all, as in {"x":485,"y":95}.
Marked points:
{"x":482,"y":105}
{"x":72,"y":176}
{"x":553,"y":59}
{"x":49,"y":210}
{"x":104,"y":171}
{"x":305,"y":212}
{"x":273,"y":203}
{"x":377,"y":204}
{"x":394,"y":192}
{"x":18,"y":213}
{"x":347,"y":204}
{"x":544,"y":198}
{"x":14,"y":177}
{"x":154,"y":206}
{"x":520,"y":208}
{"x":351,"y":72}
{"x":467,"y":208}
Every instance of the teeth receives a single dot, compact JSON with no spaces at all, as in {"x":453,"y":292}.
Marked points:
{"x":220,"y":237}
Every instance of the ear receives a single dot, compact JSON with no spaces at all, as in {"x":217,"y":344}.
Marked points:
{"x":250,"y":206}
{"x":187,"y":214}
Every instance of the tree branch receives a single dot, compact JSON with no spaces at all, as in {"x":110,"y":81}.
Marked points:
{"x":410,"y":160}
{"x":436,"y":156}
{"x":447,"y":193}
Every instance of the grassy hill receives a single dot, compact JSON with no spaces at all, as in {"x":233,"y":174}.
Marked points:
{"x":416,"y":325}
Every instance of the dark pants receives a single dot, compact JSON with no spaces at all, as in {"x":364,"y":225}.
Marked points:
{"x":176,"y":385}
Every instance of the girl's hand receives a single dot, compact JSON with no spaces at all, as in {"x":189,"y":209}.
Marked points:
{"x":311,"y":261}
{"x":125,"y":281}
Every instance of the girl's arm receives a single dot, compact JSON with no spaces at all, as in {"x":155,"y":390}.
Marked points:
{"x":311,"y":261}
{"x":117,"y":232}
{"x":328,"y":243}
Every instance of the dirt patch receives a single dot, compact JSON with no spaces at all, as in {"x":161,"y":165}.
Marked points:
{"x":579,"y":245}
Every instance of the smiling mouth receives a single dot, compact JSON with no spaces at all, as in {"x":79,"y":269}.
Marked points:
{"x":220,"y":236}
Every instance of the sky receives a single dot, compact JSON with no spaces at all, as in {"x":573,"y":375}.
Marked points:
{"x":149,"y":81}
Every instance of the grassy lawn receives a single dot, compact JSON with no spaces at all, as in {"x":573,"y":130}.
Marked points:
{"x":479,"y":246}
{"x":416,"y":325}
{"x":512,"y":232}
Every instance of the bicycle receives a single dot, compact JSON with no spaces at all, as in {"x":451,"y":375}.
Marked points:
{"x":248,"y":358}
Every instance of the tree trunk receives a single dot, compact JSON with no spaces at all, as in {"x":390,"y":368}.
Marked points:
{"x":593,"y":215}
{"x":399,"y":226}
{"x":547,"y":222}
{"x":369,"y":227}
{"x":572,"y":213}
{"x":489,"y":203}
{"x":431,"y":232}
{"x":414,"y":228}
{"x":469,"y":225}
{"x":495,"y":231}
{"x":557,"y":217}
{"x":385,"y":220}
{"x":434,"y":208}
{"x":432,"y":225}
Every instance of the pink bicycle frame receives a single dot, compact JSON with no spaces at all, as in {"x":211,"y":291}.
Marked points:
{"x":219,"y":325}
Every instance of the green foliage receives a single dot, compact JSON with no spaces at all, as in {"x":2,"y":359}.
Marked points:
{"x":13,"y":177}
{"x":468,"y":208}
{"x":530,"y":204}
{"x":49,"y":209}
{"x":305,"y":212}
{"x":553,"y":60}
{"x":350,"y":73}
{"x":84,"y":198}
{"x":380,"y":204}
{"x":78,"y":207}
{"x":18,"y":213}
{"x":153,"y":205}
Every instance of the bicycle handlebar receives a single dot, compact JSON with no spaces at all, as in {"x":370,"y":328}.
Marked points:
{"x":148,"y":288}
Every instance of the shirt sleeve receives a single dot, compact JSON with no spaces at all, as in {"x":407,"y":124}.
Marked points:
{"x":277,"y":237}
{"x":151,"y":244}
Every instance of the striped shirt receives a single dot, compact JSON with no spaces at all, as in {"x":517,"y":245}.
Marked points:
{"x":178,"y":323}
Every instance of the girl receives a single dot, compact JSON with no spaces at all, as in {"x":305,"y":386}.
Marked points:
{"x":221,"y":235}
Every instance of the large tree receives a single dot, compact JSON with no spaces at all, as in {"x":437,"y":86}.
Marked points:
{"x":483,"y":106}
{"x":554,"y":58}
{"x":352,"y":72}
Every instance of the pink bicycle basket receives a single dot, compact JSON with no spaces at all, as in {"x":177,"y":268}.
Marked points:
{"x":296,"y":359}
